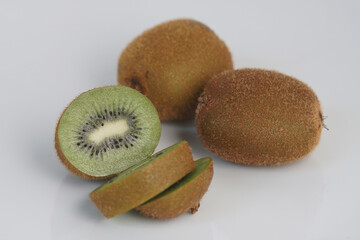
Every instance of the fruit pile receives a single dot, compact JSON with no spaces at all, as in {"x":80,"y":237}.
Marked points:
{"x":175,"y":71}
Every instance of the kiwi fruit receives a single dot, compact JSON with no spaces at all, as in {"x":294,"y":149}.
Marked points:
{"x":258,"y":117}
{"x":170,"y":64}
{"x":183,"y":196}
{"x":105,"y":131}
{"x":143,"y":181}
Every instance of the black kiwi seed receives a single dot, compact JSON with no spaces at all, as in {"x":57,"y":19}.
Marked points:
{"x":97,"y":120}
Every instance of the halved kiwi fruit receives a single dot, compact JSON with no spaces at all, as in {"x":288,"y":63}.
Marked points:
{"x":183,"y":196}
{"x":258,"y":117}
{"x":171,"y":63}
{"x":142,"y":182}
{"x":105,"y":131}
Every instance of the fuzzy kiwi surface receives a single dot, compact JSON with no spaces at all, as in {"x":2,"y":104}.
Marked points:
{"x":183,"y":196}
{"x":142,"y":182}
{"x":105,"y":131}
{"x":258,"y":117}
{"x":171,"y":63}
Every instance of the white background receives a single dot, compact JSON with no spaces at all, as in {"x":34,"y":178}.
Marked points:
{"x":51,"y":51}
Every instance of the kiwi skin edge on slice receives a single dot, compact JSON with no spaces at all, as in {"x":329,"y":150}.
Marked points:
{"x":183,"y":196}
{"x":142,"y":182}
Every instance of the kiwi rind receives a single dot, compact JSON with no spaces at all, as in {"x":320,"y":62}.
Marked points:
{"x":183,"y":196}
{"x":258,"y":117}
{"x":107,"y":167}
{"x":143,"y":181}
{"x":171,"y":62}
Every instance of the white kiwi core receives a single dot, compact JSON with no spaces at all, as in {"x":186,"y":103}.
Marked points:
{"x":108,"y":130}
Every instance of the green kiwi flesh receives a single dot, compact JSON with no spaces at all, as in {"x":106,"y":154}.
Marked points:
{"x":105,"y":131}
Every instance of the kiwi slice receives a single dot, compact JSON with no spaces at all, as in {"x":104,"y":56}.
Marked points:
{"x":105,"y":131}
{"x":143,"y":181}
{"x":171,"y":63}
{"x":258,"y":117}
{"x":183,"y":196}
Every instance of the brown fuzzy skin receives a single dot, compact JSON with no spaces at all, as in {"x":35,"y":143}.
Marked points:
{"x":171,"y":63}
{"x":258,"y":117}
{"x":144,"y":183}
{"x":65,"y":161}
{"x":184,"y":199}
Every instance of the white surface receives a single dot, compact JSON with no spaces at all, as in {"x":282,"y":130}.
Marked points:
{"x":50,"y":51}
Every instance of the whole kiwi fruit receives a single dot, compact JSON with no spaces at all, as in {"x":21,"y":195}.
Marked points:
{"x":105,"y":131}
{"x":258,"y":117}
{"x":171,"y":63}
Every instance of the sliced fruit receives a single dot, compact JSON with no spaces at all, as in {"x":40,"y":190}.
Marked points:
{"x":183,"y":196}
{"x":143,"y":181}
{"x":105,"y":131}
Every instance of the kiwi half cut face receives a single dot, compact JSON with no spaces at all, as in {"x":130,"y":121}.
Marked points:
{"x":184,"y":195}
{"x":105,"y":131}
{"x":143,"y":181}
